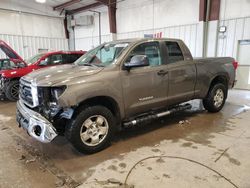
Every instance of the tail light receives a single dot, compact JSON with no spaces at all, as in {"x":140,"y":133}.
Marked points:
{"x":235,"y":64}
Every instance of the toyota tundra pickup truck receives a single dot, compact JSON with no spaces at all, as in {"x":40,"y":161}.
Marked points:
{"x":9,"y":79}
{"x":119,"y":84}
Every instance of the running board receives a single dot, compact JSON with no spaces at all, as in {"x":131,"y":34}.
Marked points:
{"x":151,"y":117}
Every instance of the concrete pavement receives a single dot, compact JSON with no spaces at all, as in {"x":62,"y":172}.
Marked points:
{"x":204,"y":150}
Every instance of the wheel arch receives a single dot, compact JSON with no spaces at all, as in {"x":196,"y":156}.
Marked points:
{"x":105,"y":101}
{"x":223,"y":79}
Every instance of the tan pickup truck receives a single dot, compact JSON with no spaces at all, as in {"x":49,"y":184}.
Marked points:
{"x":117,"y":84}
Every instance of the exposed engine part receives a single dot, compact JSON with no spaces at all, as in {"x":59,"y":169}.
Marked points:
{"x":67,"y":113}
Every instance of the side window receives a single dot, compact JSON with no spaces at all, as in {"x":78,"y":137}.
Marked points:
{"x":54,"y":59}
{"x":151,"y":50}
{"x":70,"y":58}
{"x":174,"y":52}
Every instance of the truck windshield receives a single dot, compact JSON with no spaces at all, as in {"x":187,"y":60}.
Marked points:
{"x":102,"y":56}
{"x":34,"y":59}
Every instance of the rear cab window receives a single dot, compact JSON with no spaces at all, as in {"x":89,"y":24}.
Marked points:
{"x":174,"y":52}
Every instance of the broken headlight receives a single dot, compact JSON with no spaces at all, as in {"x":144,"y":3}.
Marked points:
{"x":52,"y":107}
{"x":56,"y":92}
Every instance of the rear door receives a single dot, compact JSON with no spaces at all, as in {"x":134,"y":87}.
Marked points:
{"x":182,"y":74}
{"x":145,"y":88}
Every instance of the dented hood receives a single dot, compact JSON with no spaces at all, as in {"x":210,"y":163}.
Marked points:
{"x":60,"y":75}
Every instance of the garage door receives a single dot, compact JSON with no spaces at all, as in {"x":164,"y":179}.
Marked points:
{"x":243,"y":71}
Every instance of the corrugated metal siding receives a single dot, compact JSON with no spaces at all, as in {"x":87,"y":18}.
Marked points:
{"x":188,"y":33}
{"x":237,"y":29}
{"x":86,"y":43}
{"x":27,"y":46}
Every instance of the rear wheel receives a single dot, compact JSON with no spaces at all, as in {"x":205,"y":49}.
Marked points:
{"x":92,"y":129}
{"x":12,"y":90}
{"x":216,"y":98}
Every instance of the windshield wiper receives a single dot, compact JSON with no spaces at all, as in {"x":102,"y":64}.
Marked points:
{"x":99,"y":65}
{"x":92,"y":65}
{"x":88,"y":64}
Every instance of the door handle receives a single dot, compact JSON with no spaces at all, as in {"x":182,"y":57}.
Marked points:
{"x":162,"y":73}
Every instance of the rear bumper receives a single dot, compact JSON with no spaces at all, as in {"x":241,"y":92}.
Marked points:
{"x":35,"y":124}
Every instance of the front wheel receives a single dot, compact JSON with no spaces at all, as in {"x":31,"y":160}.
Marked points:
{"x":216,"y":98}
{"x":12,"y":90}
{"x":91,"y":130}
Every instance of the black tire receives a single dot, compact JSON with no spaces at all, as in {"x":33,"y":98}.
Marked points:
{"x":209,"y":102}
{"x":74,"y":129}
{"x":12,"y":90}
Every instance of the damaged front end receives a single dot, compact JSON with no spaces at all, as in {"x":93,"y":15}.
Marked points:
{"x":48,"y":103}
{"x":39,"y":113}
{"x":36,"y":125}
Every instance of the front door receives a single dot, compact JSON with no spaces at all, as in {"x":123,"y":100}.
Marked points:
{"x":145,"y":88}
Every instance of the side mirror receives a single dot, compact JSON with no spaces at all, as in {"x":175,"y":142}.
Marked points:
{"x":137,"y":61}
{"x":43,"y":63}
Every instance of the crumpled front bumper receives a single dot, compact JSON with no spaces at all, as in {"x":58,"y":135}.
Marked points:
{"x":36,"y":125}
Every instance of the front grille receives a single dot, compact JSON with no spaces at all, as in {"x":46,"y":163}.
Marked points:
{"x":25,"y":92}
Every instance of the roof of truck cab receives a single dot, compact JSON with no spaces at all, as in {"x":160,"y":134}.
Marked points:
{"x":135,"y":40}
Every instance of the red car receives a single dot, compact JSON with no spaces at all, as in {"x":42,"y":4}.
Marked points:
{"x":17,"y":67}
